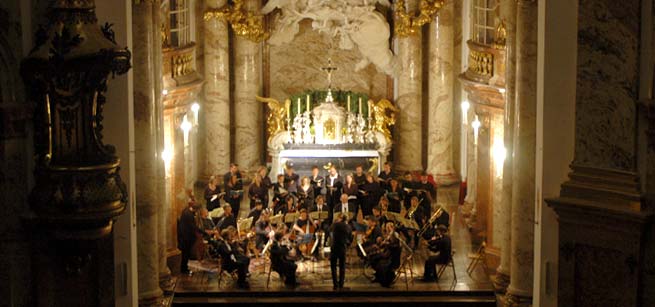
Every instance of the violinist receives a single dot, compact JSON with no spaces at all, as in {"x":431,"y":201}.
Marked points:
{"x":305,"y":193}
{"x":263,"y":230}
{"x":231,"y":259}
{"x":257,"y":191}
{"x":280,"y":261}
{"x":373,"y":232}
{"x":228,"y":218}
{"x":256,"y":212}
{"x":385,"y":258}
{"x":441,"y":247}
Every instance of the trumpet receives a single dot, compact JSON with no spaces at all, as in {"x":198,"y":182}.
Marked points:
{"x":433,"y":218}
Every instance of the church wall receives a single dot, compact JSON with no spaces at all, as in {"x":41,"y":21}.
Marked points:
{"x":296,"y":67}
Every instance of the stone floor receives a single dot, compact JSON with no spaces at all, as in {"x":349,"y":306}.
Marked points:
{"x":315,"y":276}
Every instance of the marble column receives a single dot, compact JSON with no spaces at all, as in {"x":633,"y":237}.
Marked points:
{"x":217,"y":94}
{"x":409,"y":134}
{"x":164,"y":210}
{"x":519,"y":291}
{"x":508,"y":15}
{"x":145,"y":140}
{"x":440,"y":101}
{"x":247,"y":111}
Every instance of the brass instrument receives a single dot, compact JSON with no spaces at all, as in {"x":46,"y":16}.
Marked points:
{"x":433,"y":218}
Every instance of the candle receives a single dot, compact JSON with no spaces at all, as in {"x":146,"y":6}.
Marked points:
{"x":298,"y":111}
{"x":370,"y":103}
{"x":289,"y":111}
{"x":348,"y":103}
{"x":360,"y":105}
{"x":308,"y":103}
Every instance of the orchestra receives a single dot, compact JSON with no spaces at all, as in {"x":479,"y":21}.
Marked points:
{"x":309,"y":216}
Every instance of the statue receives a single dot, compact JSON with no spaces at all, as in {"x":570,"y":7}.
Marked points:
{"x":277,"y":115}
{"x":381,"y":119}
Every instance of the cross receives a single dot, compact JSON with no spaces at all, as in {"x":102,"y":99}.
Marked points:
{"x":329,"y":69}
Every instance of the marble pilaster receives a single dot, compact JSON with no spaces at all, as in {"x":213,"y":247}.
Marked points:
{"x":145,"y":133}
{"x":247,"y":111}
{"x":519,"y":291}
{"x":440,"y":101}
{"x":217,"y":93}
{"x":508,"y":15}
{"x":408,"y":130}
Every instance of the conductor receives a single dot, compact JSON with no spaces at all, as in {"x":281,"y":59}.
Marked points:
{"x":341,"y":238}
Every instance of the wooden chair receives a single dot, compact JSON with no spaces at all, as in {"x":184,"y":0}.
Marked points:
{"x":451,"y":263}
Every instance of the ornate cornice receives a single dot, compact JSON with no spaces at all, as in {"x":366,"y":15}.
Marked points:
{"x":406,"y":24}
{"x":244,"y":23}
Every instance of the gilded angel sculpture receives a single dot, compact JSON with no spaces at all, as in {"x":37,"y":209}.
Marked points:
{"x":277,"y":114}
{"x":384,"y":116}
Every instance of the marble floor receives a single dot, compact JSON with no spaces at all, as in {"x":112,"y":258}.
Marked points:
{"x":316,"y":276}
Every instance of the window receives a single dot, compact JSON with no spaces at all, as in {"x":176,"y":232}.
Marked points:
{"x":483,"y":16}
{"x":180,"y":22}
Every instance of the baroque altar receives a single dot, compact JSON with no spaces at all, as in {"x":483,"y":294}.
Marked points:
{"x":342,"y":128}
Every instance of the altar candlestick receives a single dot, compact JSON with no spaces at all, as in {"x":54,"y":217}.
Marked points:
{"x":298,"y":111}
{"x":288,"y":111}
{"x":348,"y":103}
{"x":360,"y":105}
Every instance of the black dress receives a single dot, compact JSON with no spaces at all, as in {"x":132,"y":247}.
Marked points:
{"x":258,"y":192}
{"x":305,"y":197}
{"x":209,"y":193}
{"x":372,"y":197}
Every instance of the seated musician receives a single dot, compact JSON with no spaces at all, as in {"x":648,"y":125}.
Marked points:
{"x":322,"y":227}
{"x":373,"y":232}
{"x":281,"y":262}
{"x":279,"y":207}
{"x":256,"y":212}
{"x":304,"y":230}
{"x":228,"y":219}
{"x":441,"y":246}
{"x":206,"y":224}
{"x":291,"y":204}
{"x":428,"y":193}
{"x":345,"y":207}
{"x":231,"y":259}
{"x":415,"y":213}
{"x":385,"y":257}
{"x":263,"y":230}
{"x":378,"y":213}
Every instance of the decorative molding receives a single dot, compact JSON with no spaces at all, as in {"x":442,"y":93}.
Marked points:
{"x":406,"y":24}
{"x":244,"y":23}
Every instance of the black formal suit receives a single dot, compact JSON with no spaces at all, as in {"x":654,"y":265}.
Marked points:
{"x":325,"y":224}
{"x":187,"y":232}
{"x":352,"y":207}
{"x":359,"y":179}
{"x":387,"y":262}
{"x":280,"y":264}
{"x":231,"y":260}
{"x":341,"y":238}
{"x":318,"y":183}
{"x":334,"y":187}
{"x":443,"y":246}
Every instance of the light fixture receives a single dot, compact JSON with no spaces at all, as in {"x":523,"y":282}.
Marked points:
{"x":167,"y":156}
{"x":502,"y":90}
{"x":465,"y":109}
{"x":186,"y":127}
{"x":164,"y":92}
{"x":476,"y":128}
{"x":195,"y":107}
{"x":499,"y":153}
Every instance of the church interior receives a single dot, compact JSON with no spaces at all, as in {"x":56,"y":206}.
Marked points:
{"x":466,"y":152}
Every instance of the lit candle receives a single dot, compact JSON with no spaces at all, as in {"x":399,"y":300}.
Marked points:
{"x":360,"y":105}
{"x":289,"y":111}
{"x":307,"y":102}
{"x":348,"y":103}
{"x":369,"y":107}
{"x":298,"y":111}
